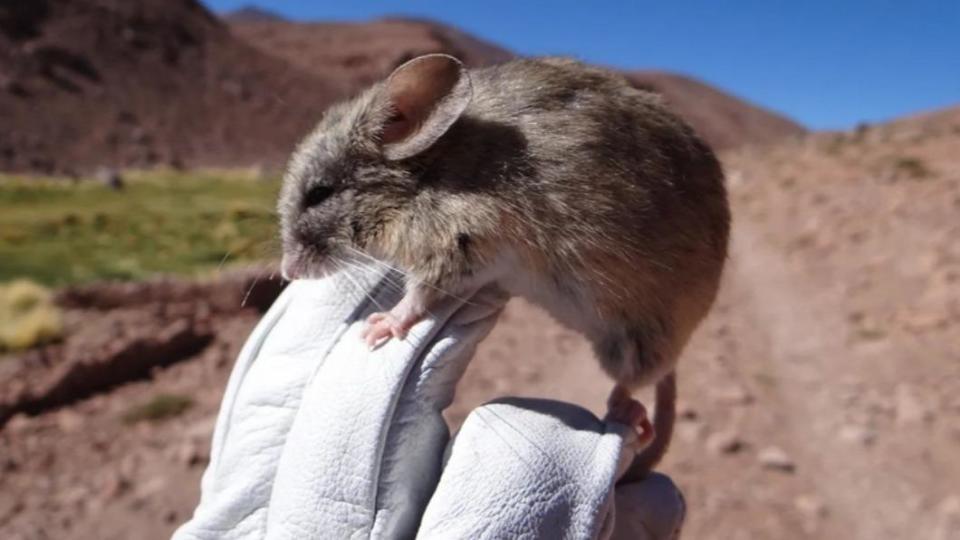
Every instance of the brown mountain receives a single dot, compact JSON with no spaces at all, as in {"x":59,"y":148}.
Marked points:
{"x":85,"y":83}
{"x":364,"y":52}
{"x":726,"y":121}
{"x":92,"y":82}
{"x":361,"y":53}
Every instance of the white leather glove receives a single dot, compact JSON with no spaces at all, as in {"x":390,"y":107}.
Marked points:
{"x":319,"y":437}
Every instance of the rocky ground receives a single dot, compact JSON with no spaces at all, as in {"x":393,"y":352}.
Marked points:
{"x":819,"y":399}
{"x":109,"y":430}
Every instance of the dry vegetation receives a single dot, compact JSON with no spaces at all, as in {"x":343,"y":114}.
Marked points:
{"x":28,"y":316}
{"x":62,"y":232}
{"x":159,"y":407}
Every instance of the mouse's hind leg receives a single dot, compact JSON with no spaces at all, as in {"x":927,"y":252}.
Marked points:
{"x":634,"y":357}
{"x":622,"y":408}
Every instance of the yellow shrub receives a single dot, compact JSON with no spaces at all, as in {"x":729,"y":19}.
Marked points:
{"x":28,"y":316}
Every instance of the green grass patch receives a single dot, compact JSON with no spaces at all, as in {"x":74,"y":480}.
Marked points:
{"x":160,"y":407}
{"x":28,"y":316}
{"x":59,"y":232}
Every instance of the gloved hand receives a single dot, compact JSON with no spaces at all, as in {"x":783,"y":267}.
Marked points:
{"x":320,"y":437}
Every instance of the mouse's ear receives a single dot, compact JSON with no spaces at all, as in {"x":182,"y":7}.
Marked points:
{"x":426,"y":96}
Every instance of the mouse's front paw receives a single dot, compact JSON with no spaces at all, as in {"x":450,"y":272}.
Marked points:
{"x":382,"y":326}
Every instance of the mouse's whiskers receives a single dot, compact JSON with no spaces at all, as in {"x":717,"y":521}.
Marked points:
{"x":389,"y":280}
{"x":344,"y":270}
{"x":224,"y":259}
{"x":367,"y":258}
{"x":243,"y":303}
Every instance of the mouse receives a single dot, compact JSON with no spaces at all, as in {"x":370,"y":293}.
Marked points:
{"x":556,"y":180}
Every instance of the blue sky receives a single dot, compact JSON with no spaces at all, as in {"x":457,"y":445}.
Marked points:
{"x":827,"y":64}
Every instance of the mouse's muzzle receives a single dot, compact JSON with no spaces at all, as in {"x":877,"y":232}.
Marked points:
{"x":298,"y":264}
{"x":290,"y":267}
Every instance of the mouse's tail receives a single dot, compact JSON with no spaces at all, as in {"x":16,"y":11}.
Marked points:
{"x":663,"y":419}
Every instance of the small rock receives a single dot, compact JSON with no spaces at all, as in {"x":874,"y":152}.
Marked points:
{"x":870,"y":330}
{"x":18,"y":423}
{"x":235,"y":88}
{"x":110,"y":178}
{"x":69,"y":421}
{"x":189,"y":454}
{"x":949,"y":506}
{"x":725,"y":442}
{"x":733,"y":395}
{"x":139,"y":135}
{"x":113,"y":485}
{"x":202,"y":428}
{"x":908,"y":407}
{"x":130,"y":465}
{"x":857,"y":434}
{"x":74,"y":496}
{"x":922,"y":321}
{"x":735,"y":178}
{"x":812,"y":510}
{"x":914,"y":502}
{"x":810,"y":506}
{"x":776,"y":459}
{"x":954,"y":432}
{"x":691,"y":432}
{"x":948,"y":525}
{"x":150,"y":488}
{"x":686,"y":412}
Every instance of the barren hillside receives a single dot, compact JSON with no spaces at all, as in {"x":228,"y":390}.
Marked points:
{"x":85,"y":83}
{"x":90,"y":83}
{"x":362,"y":53}
{"x":724,"y":120}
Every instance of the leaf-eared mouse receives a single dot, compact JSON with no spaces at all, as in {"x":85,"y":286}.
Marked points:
{"x":556,"y":180}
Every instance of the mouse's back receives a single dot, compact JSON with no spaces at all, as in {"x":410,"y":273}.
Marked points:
{"x":614,"y":206}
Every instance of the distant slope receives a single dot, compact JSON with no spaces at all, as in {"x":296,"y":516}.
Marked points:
{"x":85,"y":83}
{"x":361,"y":53}
{"x":726,"y":121}
{"x":364,"y":52}
{"x":88,"y":83}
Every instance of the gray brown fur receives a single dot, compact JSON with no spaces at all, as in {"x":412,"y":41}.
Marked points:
{"x":610,"y":201}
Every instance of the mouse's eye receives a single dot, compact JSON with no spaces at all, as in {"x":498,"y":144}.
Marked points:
{"x":316,"y":195}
